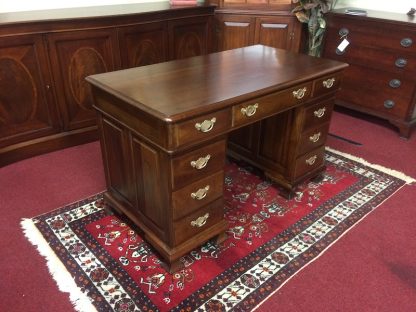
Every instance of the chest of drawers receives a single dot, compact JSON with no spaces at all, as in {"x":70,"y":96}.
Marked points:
{"x":164,"y":132}
{"x":382,"y":56}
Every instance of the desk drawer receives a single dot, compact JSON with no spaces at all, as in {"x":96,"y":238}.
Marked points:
{"x":201,"y":162}
{"x":199,"y":221}
{"x":197,"y":194}
{"x":317,"y":114}
{"x":202,"y":127}
{"x":313,"y":138}
{"x":268,"y":105}
{"x":309,"y":162}
{"x":327,"y":84}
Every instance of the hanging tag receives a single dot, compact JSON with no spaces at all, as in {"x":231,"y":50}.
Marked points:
{"x":344,"y":43}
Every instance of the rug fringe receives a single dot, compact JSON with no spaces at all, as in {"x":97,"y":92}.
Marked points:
{"x":58,"y":271}
{"x":392,"y":172}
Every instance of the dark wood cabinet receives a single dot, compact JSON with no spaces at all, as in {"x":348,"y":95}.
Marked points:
{"x":190,"y":37}
{"x":74,"y":56}
{"x":143,"y":44}
{"x":239,"y":30}
{"x":27,"y":109}
{"x":381,"y":52}
{"x":46,"y":55}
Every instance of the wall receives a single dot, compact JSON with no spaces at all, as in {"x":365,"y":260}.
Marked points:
{"x":398,"y":6}
{"x":30,"y":5}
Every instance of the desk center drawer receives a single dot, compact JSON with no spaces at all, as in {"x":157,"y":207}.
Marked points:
{"x":268,"y":105}
{"x":197,"y":194}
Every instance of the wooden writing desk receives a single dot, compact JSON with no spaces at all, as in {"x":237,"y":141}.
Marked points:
{"x":164,"y":131}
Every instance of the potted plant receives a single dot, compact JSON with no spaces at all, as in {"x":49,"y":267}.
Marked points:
{"x":312,"y":12}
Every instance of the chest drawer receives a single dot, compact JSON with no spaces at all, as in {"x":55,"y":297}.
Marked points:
{"x":201,"y":162}
{"x":201,"y":128}
{"x":309,"y":162}
{"x":198,"y":221}
{"x":197,"y":194}
{"x":326,"y":84}
{"x":265,"y":106}
{"x":317,"y":114}
{"x":379,"y":35}
{"x":313,"y":138}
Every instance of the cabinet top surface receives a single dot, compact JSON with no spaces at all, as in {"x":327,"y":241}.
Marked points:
{"x":379,"y":15}
{"x":180,"y":89}
{"x":90,"y":12}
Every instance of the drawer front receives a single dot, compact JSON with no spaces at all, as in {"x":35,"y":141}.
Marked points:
{"x":198,"y":221}
{"x":309,"y":162}
{"x":265,"y":106}
{"x":313,"y":138}
{"x":197,"y":194}
{"x":201,"y":162}
{"x":202,"y":127}
{"x":375,"y":92}
{"x":318,"y":114}
{"x":327,"y":84}
{"x":373,"y":35}
{"x":375,"y":58}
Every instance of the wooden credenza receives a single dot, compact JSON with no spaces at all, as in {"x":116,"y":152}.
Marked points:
{"x":45,"y":102}
{"x":164,"y":130}
{"x":381,"y":52}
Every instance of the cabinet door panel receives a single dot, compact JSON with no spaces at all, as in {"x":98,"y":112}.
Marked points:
{"x":143,"y":44}
{"x":76,"y":55}
{"x":26,"y":111}
{"x":190,"y":37}
{"x":276,"y":32}
{"x":234,"y":31}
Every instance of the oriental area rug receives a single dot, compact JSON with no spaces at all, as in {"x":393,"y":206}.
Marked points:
{"x":99,"y":258}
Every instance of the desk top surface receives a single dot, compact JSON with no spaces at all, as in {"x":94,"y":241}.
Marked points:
{"x":180,"y":89}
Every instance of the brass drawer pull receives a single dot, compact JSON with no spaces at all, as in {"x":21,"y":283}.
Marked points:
{"x":320,"y":112}
{"x":206,"y":125}
{"x":311,"y":160}
{"x":300,"y":93}
{"x":200,"y":221}
{"x":201,"y":193}
{"x":315,"y":138}
{"x":328,"y":83}
{"x":201,"y":162}
{"x":250,"y":110}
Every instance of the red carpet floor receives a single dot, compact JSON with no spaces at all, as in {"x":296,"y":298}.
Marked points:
{"x":371,"y":268}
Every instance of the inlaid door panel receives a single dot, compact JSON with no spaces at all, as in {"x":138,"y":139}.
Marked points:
{"x":234,"y":31}
{"x":76,"y":55}
{"x":26,"y":99}
{"x":276,"y":32}
{"x":190,"y":37}
{"x":143,"y":44}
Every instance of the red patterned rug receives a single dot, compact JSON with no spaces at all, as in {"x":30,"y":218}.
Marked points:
{"x":106,"y":266}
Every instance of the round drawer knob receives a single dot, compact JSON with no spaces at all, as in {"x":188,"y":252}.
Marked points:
{"x":395,"y":83}
{"x":343,"y":32}
{"x":406,"y":42}
{"x":401,"y":62}
{"x":388,"y":104}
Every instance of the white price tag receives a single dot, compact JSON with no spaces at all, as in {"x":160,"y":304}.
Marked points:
{"x":344,"y":43}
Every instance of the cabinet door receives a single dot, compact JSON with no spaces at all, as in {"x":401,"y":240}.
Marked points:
{"x":234,"y":31}
{"x":74,"y":56}
{"x":26,"y":102}
{"x":190,"y":37}
{"x":278,"y":32}
{"x":143,"y":44}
